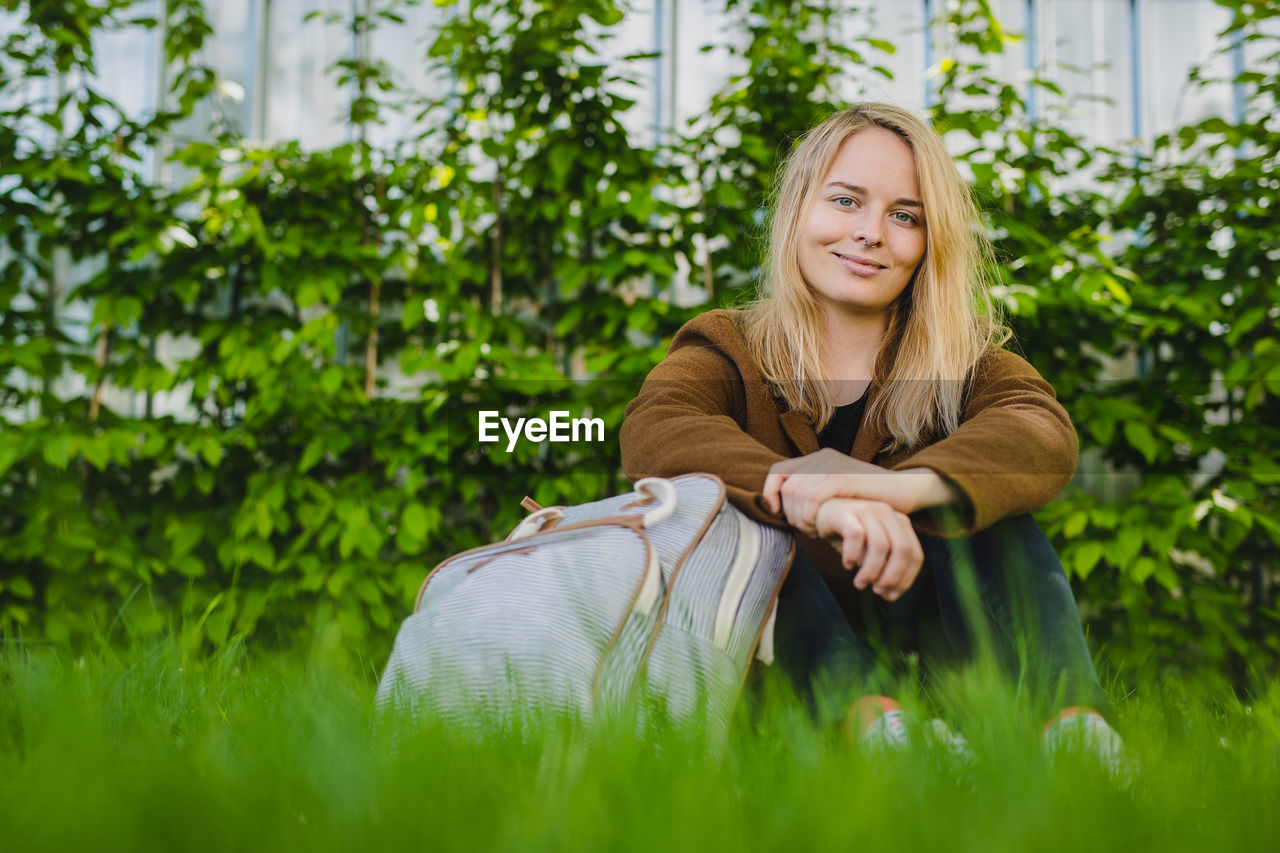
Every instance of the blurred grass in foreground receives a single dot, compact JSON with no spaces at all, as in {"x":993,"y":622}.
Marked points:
{"x":149,"y":749}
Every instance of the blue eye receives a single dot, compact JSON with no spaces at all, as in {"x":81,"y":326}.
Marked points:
{"x":906,"y":218}
{"x":842,"y":199}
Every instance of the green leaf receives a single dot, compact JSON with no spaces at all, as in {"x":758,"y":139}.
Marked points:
{"x":367,"y":590}
{"x":415,"y":521}
{"x":189,"y":566}
{"x":331,"y":379}
{"x":261,"y":552}
{"x":139,"y":251}
{"x":57,"y":451}
{"x":262,"y":518}
{"x":212,"y":451}
{"x":10,"y":452}
{"x":1128,"y":543}
{"x":313,"y":453}
{"x":103,"y":310}
{"x":607,"y":15}
{"x":1085,"y":557}
{"x":1102,"y":429}
{"x":95,"y":450}
{"x":1271,"y":525}
{"x":1075,"y":524}
{"x":21,"y":587}
{"x":1140,"y":438}
{"x":414,"y":313}
{"x":562,"y":157}
{"x":127,"y":310}
{"x":184,"y":535}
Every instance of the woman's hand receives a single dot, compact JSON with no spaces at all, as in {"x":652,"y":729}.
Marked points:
{"x":798,"y":487}
{"x":877,"y":540}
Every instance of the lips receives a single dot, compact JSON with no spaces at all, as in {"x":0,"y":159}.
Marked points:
{"x":859,"y":265}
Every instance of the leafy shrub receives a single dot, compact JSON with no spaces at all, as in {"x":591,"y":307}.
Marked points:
{"x":312,"y":330}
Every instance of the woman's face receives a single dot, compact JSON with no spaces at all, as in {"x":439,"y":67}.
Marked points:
{"x":864,"y":235}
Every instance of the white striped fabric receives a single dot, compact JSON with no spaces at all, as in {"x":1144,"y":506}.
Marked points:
{"x":596,"y":614}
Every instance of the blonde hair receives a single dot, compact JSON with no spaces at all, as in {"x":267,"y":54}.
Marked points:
{"x":938,"y":328}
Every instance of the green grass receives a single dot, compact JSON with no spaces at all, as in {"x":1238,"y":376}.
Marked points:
{"x":148,"y":749}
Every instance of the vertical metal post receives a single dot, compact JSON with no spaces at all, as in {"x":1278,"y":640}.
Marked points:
{"x":673,"y":66}
{"x":657,"y":71}
{"x":159,"y":168}
{"x":355,"y":56}
{"x":260,"y":69}
{"x":1135,"y":69}
{"x":1145,"y":355}
{"x":1033,"y":50}
{"x":357,"y":53}
{"x":659,"y":42}
{"x":453,"y":12}
{"x":1098,"y":79}
{"x":1237,"y":68}
{"x":927,"y":10}
{"x":159,"y":173}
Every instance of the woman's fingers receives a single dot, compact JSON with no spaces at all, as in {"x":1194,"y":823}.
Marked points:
{"x":834,"y":520}
{"x":905,"y":559}
{"x":875,"y":551}
{"x":852,"y":542}
{"x":802,"y":496}
{"x":786,"y":477}
{"x":876,"y":539}
{"x":839,"y":523}
{"x":778,"y":474}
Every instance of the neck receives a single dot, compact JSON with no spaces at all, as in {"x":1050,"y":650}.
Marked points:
{"x":851,"y":342}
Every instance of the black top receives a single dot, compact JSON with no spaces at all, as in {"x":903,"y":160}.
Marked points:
{"x":841,"y":430}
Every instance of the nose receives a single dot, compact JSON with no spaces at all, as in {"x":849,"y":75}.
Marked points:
{"x":868,"y":228}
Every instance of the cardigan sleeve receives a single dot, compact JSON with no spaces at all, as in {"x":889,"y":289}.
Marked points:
{"x":685,"y":420}
{"x":1015,"y":448}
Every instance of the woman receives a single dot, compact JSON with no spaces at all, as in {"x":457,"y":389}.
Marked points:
{"x":865,"y":401}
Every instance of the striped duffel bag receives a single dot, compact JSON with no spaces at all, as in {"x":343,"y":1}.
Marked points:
{"x":652,"y":603}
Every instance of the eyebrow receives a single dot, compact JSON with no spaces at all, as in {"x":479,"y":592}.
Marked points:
{"x":854,"y":188}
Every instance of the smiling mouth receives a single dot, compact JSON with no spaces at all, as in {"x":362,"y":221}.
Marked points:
{"x":859,"y":264}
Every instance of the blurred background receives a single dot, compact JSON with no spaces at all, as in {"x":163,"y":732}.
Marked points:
{"x":274,"y":62}
{"x":263,"y":259}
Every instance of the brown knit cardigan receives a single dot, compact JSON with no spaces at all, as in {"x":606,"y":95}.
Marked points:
{"x":707,"y":408}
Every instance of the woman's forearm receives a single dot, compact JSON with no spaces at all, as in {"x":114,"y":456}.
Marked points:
{"x":930,"y":489}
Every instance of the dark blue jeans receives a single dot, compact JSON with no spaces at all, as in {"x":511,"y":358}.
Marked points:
{"x":1000,"y":594}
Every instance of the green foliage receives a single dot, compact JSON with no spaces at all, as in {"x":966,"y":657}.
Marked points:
{"x":311,"y":332}
{"x":1148,"y":297}
{"x":336,"y":315}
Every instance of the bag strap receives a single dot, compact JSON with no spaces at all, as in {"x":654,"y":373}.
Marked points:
{"x":655,"y":488}
{"x":545,"y":517}
{"x":664,"y":492}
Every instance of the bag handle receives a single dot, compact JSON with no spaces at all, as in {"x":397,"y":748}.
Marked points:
{"x":655,"y":488}
{"x":663,"y":492}
{"x":535,"y":522}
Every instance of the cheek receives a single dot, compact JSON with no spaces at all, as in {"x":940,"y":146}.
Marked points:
{"x":913,"y":250}
{"x":821,"y":227}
